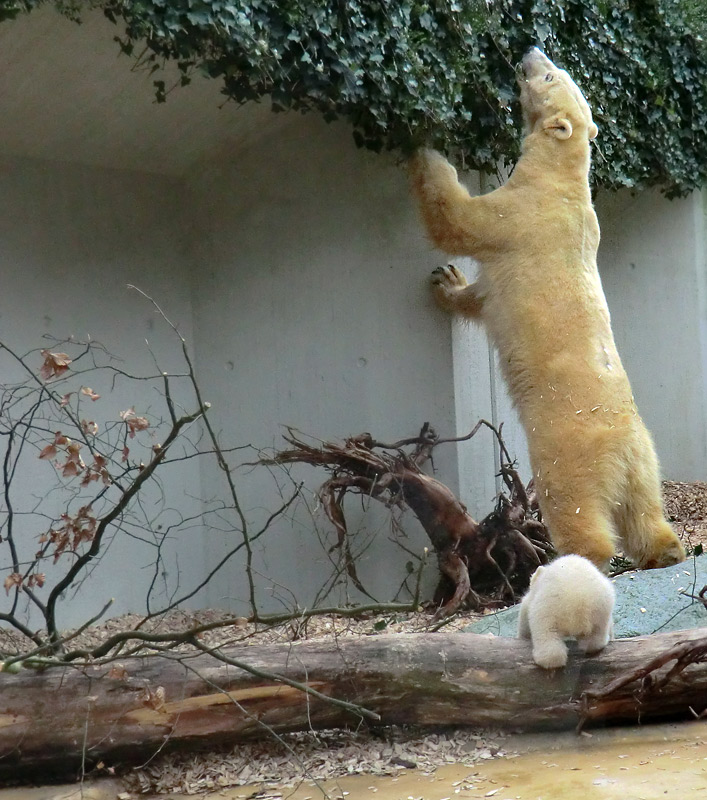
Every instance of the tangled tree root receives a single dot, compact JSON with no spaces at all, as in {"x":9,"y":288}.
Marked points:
{"x":482,"y":564}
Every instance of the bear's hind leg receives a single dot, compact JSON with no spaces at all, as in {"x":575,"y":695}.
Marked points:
{"x":577,"y":525}
{"x":647,"y":537}
{"x":651,"y":543}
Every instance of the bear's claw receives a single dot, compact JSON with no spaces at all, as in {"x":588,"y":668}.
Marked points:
{"x":449,"y":277}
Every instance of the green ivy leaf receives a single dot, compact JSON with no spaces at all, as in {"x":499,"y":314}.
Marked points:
{"x":441,"y":72}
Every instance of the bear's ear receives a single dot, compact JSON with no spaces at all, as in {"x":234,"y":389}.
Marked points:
{"x":559,"y":127}
{"x":592,"y":131}
{"x":536,"y":575}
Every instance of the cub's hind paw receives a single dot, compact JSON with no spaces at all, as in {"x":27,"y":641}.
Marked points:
{"x":593,"y":644}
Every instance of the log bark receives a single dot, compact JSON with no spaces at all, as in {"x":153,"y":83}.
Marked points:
{"x":52,"y":721}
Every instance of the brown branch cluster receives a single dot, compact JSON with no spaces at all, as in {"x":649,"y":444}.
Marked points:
{"x":102,"y":467}
{"x":651,"y":678}
{"x":101,"y":471}
{"x":481,"y":563}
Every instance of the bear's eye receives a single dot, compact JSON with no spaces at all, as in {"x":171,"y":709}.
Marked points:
{"x":549,"y":77}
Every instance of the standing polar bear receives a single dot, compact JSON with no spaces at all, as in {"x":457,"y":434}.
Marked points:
{"x":570,"y":598}
{"x":540,"y":296}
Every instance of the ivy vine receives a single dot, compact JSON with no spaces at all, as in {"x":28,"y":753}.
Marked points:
{"x":442,"y":72}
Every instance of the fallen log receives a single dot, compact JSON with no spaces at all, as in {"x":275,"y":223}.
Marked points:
{"x":54,"y":721}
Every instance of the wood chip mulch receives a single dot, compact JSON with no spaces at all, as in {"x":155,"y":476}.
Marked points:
{"x":686,"y":508}
{"x":314,"y":757}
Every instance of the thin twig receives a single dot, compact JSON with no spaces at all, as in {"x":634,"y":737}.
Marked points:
{"x":109,"y":518}
{"x":221,"y":460}
{"x":64,"y":639}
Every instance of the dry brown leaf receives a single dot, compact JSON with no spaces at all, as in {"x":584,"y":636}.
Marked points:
{"x":49,"y":451}
{"x":70,"y":469}
{"x":13,"y":579}
{"x":153,"y":698}
{"x":134,"y":422}
{"x":118,"y":672}
{"x":89,"y":427}
{"x":55,"y":364}
{"x":36,"y":579}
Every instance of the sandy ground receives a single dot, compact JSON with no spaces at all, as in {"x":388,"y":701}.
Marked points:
{"x":636,"y":763}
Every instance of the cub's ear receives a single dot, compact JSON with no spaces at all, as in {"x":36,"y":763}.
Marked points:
{"x":592,"y":131}
{"x":559,"y":127}
{"x":536,"y":575}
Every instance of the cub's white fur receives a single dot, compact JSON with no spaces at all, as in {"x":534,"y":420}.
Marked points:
{"x":569,"y":598}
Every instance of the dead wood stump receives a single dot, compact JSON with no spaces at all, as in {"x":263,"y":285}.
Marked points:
{"x":482,"y":564}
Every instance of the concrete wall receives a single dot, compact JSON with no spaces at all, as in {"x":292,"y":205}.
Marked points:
{"x":298,"y":270}
{"x":652,"y":262}
{"x":72,"y":238}
{"x":302,"y":287}
{"x":313,"y":311}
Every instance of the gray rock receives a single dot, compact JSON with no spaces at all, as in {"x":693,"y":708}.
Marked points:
{"x":646,"y":602}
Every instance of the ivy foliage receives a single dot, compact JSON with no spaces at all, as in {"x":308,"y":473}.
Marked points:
{"x":442,"y":72}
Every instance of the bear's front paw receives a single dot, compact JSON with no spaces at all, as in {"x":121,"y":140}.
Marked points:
{"x":550,"y":654}
{"x":448,"y":279}
{"x":446,"y":283}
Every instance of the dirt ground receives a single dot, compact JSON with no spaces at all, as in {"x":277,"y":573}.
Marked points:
{"x":663,"y":761}
{"x":636,"y":763}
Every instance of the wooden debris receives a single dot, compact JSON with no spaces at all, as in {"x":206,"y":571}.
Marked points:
{"x":53,"y":722}
{"x":482,"y":564}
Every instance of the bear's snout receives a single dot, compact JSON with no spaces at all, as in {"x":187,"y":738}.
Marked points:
{"x":534,"y":61}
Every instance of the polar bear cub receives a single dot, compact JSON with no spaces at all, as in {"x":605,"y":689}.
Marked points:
{"x":570,"y":598}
